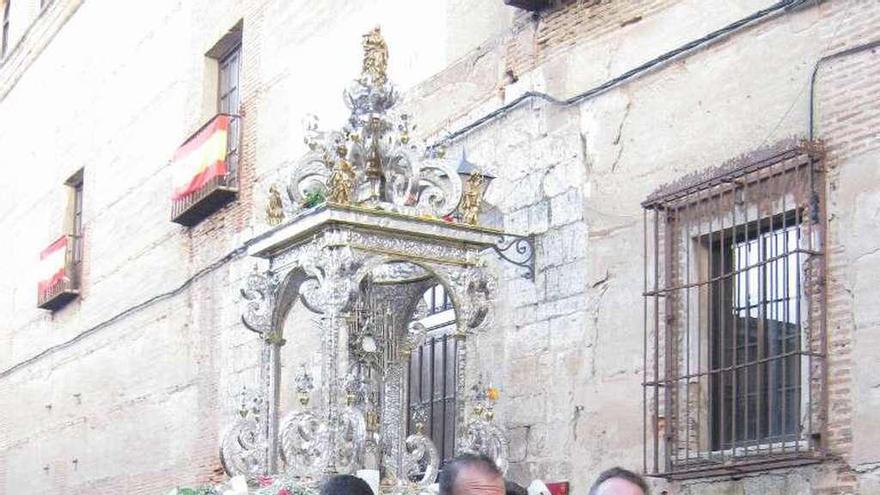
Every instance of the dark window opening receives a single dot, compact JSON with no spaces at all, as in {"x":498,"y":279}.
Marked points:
{"x":438,"y":300}
{"x":431,"y":389}
{"x":757,"y":322}
{"x":229,"y":101}
{"x":77,"y":220}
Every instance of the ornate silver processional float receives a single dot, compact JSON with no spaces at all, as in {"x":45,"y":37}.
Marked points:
{"x":366,"y":222}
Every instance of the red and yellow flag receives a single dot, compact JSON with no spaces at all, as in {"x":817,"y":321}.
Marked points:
{"x":52,"y":264}
{"x":201,"y":158}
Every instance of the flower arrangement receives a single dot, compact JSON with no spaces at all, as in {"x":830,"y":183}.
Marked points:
{"x":284,"y":486}
{"x":238,"y":486}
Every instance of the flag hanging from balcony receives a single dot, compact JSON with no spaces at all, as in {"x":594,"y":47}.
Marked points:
{"x":52,"y":264}
{"x":201,"y":158}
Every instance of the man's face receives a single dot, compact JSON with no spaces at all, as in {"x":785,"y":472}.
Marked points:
{"x":619,"y":486}
{"x":475,"y":481}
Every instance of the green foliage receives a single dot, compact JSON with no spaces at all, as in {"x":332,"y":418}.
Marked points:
{"x":313,"y":198}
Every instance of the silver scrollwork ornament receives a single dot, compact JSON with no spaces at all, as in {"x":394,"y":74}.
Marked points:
{"x":351,"y":440}
{"x":332,"y":283}
{"x":485,"y":437}
{"x":243,"y":444}
{"x":421,"y":461}
{"x":304,"y":441}
{"x":241,"y":450}
{"x":259,"y":301}
{"x":471,"y":288}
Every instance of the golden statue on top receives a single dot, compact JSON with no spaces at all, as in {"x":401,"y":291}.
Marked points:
{"x":275,"y":209}
{"x":473,"y":195}
{"x":375,"y":58}
{"x":340,"y":185}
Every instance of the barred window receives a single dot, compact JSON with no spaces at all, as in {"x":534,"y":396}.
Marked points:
{"x":734,"y":317}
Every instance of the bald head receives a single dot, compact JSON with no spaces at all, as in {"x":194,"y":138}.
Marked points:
{"x":617,"y":486}
{"x":619,"y":481}
{"x":471,"y":475}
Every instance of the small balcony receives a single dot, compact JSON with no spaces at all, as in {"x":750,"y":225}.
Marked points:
{"x":215,"y":194}
{"x":217,"y":191}
{"x":64,"y":285}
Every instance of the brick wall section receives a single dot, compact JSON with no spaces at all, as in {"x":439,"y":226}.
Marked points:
{"x":848,"y":121}
{"x":213,"y":238}
{"x":570,"y":23}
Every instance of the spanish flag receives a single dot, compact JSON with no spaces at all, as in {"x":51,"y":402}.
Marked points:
{"x":52,"y":264}
{"x":201,"y":158}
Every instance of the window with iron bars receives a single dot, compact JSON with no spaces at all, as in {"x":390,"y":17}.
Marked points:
{"x":734,"y":317}
{"x":432,"y":373}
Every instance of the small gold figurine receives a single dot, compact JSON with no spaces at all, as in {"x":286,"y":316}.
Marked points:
{"x":274,"y":209}
{"x":470,"y":201}
{"x":375,"y":58}
{"x":340,"y":185}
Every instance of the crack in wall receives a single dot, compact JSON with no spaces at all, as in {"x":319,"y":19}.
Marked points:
{"x":617,"y":136}
{"x":575,"y":416}
{"x":603,"y":285}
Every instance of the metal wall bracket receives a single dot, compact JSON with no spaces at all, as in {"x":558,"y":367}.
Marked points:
{"x":519,"y":250}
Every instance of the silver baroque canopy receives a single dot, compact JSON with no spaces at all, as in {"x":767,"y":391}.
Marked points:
{"x":323,"y":261}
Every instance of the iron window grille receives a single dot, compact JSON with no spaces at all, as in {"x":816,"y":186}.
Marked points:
{"x":735,"y":341}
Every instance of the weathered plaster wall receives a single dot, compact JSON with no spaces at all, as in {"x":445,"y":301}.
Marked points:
{"x":141,"y":401}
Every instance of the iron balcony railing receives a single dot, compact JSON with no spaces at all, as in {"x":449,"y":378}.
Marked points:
{"x":66,"y":289}
{"x":218,"y":191}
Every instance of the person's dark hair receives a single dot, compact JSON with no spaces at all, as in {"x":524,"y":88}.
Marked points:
{"x":453,"y":467}
{"x":346,"y":484}
{"x":511,"y":488}
{"x":624,"y":474}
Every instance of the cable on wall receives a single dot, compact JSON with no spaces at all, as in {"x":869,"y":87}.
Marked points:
{"x":127,"y":312}
{"x":628,"y":75}
{"x":843,"y":53}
